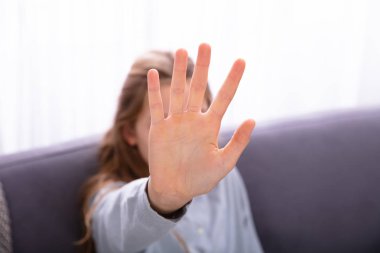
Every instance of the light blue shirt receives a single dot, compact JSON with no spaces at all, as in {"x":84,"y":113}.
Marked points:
{"x":219,"y":221}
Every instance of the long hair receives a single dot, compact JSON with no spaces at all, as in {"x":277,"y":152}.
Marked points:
{"x":118,"y":160}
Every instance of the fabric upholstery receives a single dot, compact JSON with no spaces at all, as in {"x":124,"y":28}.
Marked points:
{"x":313,"y":182}
{"x":42,"y":190}
{"x":5,"y":229}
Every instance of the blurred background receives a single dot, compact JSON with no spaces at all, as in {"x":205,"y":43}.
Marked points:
{"x":62,"y":63}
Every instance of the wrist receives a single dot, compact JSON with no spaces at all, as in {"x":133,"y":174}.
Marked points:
{"x":166,"y":205}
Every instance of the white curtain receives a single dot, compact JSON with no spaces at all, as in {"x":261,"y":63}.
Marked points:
{"x":62,"y":63}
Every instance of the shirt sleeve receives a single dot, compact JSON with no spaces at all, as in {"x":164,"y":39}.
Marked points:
{"x":124,"y":221}
{"x":247,"y":231}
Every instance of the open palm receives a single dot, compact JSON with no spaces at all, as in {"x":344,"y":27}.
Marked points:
{"x":184,"y":158}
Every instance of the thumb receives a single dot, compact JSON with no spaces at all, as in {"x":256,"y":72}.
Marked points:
{"x":239,"y":141}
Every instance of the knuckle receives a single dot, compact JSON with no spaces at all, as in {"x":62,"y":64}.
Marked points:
{"x":193,"y":108}
{"x":225,"y":96}
{"x":153,"y":88}
{"x":214,"y":112}
{"x":197,"y":87}
{"x":156,"y":105}
{"x":177,"y":90}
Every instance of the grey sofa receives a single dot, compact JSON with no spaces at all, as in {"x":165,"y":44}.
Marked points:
{"x":313,"y":182}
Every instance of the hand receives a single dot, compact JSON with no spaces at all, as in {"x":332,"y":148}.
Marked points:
{"x":184,"y":158}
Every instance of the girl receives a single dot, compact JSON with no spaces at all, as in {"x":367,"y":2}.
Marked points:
{"x":164,"y":185}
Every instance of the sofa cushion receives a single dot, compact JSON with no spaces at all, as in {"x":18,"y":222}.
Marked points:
{"x":42,"y":190}
{"x":314,"y":182}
